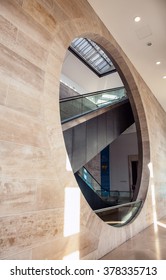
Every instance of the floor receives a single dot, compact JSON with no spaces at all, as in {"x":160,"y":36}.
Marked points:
{"x":150,"y":244}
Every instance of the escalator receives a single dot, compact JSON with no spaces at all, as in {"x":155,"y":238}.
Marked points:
{"x":96,"y":195}
{"x":77,"y":106}
{"x":113,"y":207}
{"x":91,"y":122}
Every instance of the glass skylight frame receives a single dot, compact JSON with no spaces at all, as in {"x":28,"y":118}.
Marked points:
{"x":93,"y":56}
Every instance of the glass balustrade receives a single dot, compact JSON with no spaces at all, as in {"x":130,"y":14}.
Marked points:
{"x":113,"y":197}
{"x":76,"y":106}
{"x":121,"y":214}
{"x":121,"y":210}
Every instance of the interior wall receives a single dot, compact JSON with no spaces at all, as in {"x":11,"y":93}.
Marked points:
{"x":120,"y":149}
{"x":126,"y":144}
{"x":36,"y":181}
{"x":65,"y":91}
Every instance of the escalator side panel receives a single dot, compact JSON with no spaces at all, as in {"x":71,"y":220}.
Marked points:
{"x":91,"y":145}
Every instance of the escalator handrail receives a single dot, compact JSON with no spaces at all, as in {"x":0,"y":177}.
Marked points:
{"x":124,"y":98}
{"x":82,"y":177}
{"x":91,"y":175}
{"x":89,"y":94}
{"x":118,"y":206}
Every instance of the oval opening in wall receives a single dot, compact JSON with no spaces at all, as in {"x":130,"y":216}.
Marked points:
{"x":100,"y":132}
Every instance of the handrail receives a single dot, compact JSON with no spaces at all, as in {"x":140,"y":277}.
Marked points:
{"x":89,"y":94}
{"x":86,"y":181}
{"x":91,"y":175}
{"x":112,"y":215}
{"x":116,"y":206}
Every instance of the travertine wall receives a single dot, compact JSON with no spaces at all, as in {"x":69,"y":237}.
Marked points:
{"x":35,"y":179}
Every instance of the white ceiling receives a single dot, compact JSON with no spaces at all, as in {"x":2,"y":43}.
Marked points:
{"x":88,"y":81}
{"x":118,"y":16}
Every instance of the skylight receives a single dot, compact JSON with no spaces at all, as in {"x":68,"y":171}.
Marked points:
{"x":92,"y":55}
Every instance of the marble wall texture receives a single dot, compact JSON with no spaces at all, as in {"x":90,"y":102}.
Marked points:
{"x":38,"y":219}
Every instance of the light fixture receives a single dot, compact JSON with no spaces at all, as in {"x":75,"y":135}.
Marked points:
{"x":137,"y":19}
{"x":158,"y":63}
{"x":149,"y":44}
{"x":164,"y":77}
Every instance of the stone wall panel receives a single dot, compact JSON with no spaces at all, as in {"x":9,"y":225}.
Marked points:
{"x":34,"y":169}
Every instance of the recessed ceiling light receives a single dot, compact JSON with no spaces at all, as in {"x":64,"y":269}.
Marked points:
{"x":158,"y":63}
{"x":137,"y":19}
{"x":149,"y":44}
{"x":164,"y":77}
